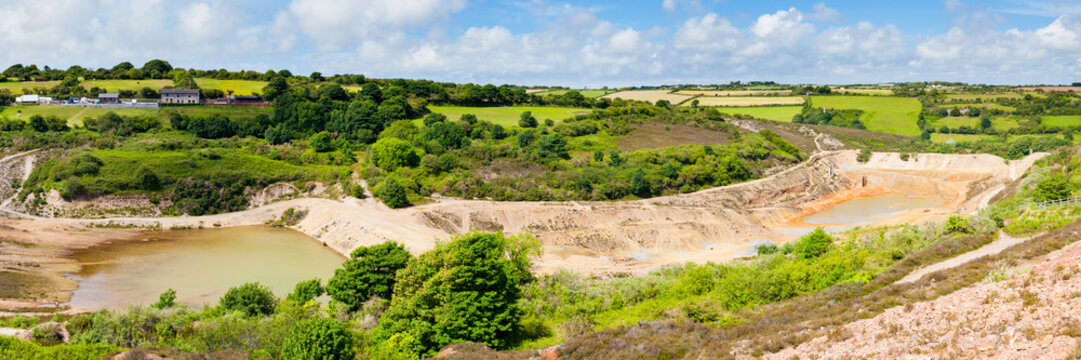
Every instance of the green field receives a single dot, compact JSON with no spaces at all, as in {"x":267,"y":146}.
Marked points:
{"x":113,"y":86}
{"x":775,"y":113}
{"x":895,"y":115}
{"x":238,"y":87}
{"x":999,"y":123}
{"x":959,"y":138}
{"x":876,"y":92}
{"x":1061,"y":120}
{"x":508,"y":115}
{"x":586,"y":93}
{"x":982,"y":106}
{"x":76,"y":114}
{"x":983,"y":97}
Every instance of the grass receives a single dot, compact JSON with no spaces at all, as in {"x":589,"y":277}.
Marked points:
{"x":775,"y":113}
{"x":983,"y":97}
{"x":878,"y":92}
{"x":895,"y":115}
{"x":732,"y":92}
{"x":959,"y":138}
{"x":76,"y":114}
{"x":982,"y":106}
{"x":586,"y":93}
{"x":999,"y":123}
{"x":239,"y":87}
{"x":747,"y":100}
{"x":508,"y":116}
{"x":113,"y":86}
{"x":650,"y":96}
{"x":1061,"y":120}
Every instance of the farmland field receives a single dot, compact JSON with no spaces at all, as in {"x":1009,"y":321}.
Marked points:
{"x":895,"y":115}
{"x":76,"y":114}
{"x":983,"y":97}
{"x":733,"y":92}
{"x":113,"y":86}
{"x":17,"y":87}
{"x":775,"y":113}
{"x":651,"y":96}
{"x":586,"y":93}
{"x":1061,"y":120}
{"x":748,"y":100}
{"x":998,"y":122}
{"x":880,"y":92}
{"x":959,"y":138}
{"x":982,"y":106}
{"x":239,"y":87}
{"x":508,"y":115}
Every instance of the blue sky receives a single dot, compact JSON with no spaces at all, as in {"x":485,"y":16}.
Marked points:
{"x":581,"y":43}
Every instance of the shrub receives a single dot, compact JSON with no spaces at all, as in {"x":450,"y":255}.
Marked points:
{"x":392,"y":153}
{"x":306,"y":291}
{"x":370,"y":272}
{"x":321,"y":142}
{"x":813,"y":245}
{"x":318,"y":338}
{"x":462,"y":291}
{"x":252,"y":299}
{"x":864,"y":156}
{"x":1053,"y":188}
{"x":957,"y":224}
{"x":166,"y":300}
{"x":527,"y":120}
{"x":393,"y":194}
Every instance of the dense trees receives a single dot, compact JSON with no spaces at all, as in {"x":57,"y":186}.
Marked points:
{"x":369,"y":272}
{"x":393,"y":194}
{"x":319,"y":338}
{"x":462,"y":291}
{"x":306,"y":291}
{"x":391,"y":153}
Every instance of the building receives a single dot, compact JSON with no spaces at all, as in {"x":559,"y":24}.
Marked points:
{"x":28,"y":99}
{"x":246,"y":100}
{"x":180,"y":96}
{"x":108,"y":98}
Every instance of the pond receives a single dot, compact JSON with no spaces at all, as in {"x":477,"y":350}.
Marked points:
{"x":860,"y":211}
{"x":199,"y":264}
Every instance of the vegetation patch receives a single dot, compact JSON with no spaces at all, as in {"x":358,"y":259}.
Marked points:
{"x":895,"y":115}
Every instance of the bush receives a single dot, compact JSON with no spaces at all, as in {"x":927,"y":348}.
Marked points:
{"x":957,"y":224}
{"x":370,"y":272}
{"x":813,"y":245}
{"x":321,"y":142}
{"x":1053,"y":188}
{"x":391,"y":153}
{"x":393,"y":194}
{"x":306,"y":291}
{"x":166,"y":300}
{"x":252,"y":299}
{"x":318,"y":338}
{"x":527,"y":120}
{"x":462,"y":291}
{"x":864,"y":156}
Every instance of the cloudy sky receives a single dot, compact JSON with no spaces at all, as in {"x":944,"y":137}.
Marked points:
{"x":574,"y":43}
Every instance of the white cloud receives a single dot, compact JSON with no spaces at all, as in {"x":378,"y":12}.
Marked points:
{"x":332,"y":24}
{"x":669,"y":5}
{"x":710,"y":32}
{"x":824,"y":13}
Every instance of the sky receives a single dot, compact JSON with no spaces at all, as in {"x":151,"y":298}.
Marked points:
{"x":590,"y":43}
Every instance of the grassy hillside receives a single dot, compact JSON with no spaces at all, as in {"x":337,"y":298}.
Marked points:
{"x":775,"y":113}
{"x":238,"y":87}
{"x":76,"y":114}
{"x":895,"y":115}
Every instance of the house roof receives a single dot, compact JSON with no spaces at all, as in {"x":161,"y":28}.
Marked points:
{"x":180,"y":91}
{"x":27,"y":98}
{"x":103,"y":96}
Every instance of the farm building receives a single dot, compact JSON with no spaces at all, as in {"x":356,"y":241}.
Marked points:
{"x":28,"y":99}
{"x":180,"y":96}
{"x":108,"y":98}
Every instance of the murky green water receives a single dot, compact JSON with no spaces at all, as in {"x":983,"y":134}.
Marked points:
{"x":867,"y":210}
{"x":199,"y":264}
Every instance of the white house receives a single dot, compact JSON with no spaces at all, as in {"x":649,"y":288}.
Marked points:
{"x":180,"y":96}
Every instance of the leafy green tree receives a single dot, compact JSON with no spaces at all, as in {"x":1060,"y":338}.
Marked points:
{"x":598,"y":156}
{"x":497,"y":132}
{"x":813,"y":245}
{"x":306,"y":291}
{"x":552,"y":145}
{"x":369,"y":272}
{"x":334,"y":92}
{"x":694,"y":103}
{"x":321,"y":142}
{"x":985,"y":123}
{"x":1053,"y":188}
{"x":957,"y":224}
{"x":447,"y":135}
{"x":277,"y":86}
{"x":434,"y":118}
{"x":390,"y":153}
{"x":469,"y":119}
{"x":276,"y":135}
{"x":526,"y":138}
{"x":147,"y":179}
{"x":252,"y":299}
{"x":319,"y":338}
{"x":37,"y":122}
{"x":670,"y":170}
{"x":615,"y":159}
{"x":157,"y":66}
{"x":316,"y":76}
{"x":925,"y":135}
{"x":462,"y":291}
{"x":527,"y":120}
{"x":664,"y":103}
{"x":393,"y":194}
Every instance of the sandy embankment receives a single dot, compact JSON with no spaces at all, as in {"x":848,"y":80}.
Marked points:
{"x":606,"y":237}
